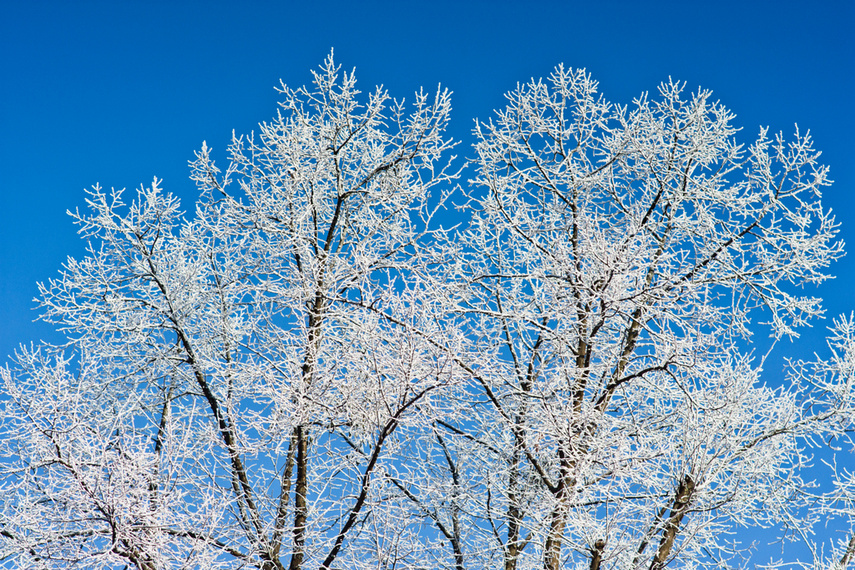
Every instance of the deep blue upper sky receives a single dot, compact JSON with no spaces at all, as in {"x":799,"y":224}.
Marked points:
{"x":119,"y":92}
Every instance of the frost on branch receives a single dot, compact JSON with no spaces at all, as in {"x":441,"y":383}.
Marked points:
{"x":309,"y":372}
{"x":230,"y":396}
{"x":615,"y":260}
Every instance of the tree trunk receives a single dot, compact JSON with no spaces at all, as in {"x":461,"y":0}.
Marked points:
{"x":552,"y":547}
{"x":301,"y":489}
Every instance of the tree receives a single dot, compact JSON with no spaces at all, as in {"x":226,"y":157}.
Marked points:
{"x":312,"y":373}
{"x":617,"y":255}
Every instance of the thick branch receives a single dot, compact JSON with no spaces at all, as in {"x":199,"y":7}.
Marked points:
{"x":681,"y":506}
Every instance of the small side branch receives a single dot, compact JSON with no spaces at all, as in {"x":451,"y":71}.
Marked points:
{"x":849,"y":554}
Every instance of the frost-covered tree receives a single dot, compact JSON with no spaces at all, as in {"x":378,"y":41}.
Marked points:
{"x":228,"y":404}
{"x":615,"y":258}
{"x":311,"y":373}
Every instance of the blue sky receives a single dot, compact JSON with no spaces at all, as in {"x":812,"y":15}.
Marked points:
{"x":119,"y":92}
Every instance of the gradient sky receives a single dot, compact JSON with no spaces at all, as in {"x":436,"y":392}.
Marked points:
{"x":119,"y":92}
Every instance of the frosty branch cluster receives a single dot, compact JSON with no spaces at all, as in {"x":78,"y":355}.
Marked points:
{"x":311,"y":373}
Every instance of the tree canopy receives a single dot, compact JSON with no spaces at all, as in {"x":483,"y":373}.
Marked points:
{"x":316,"y":370}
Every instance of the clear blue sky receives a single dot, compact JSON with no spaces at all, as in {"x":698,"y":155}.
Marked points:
{"x":118,"y":92}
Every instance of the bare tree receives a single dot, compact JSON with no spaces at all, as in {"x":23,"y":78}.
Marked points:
{"x":311,"y":373}
{"x":614,"y":260}
{"x":255,"y":402}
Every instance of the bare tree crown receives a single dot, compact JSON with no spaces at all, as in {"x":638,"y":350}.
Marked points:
{"x":310,"y":372}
